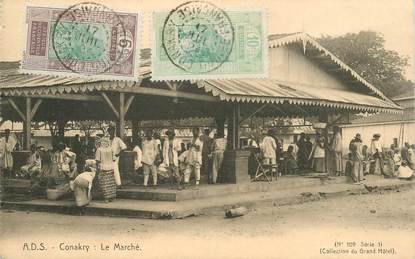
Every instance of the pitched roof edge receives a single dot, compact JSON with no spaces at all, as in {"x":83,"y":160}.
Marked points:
{"x":301,"y":36}
{"x":223,"y":96}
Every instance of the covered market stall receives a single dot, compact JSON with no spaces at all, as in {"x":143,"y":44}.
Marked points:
{"x":305,"y":80}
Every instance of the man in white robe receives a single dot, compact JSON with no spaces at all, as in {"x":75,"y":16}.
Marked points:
{"x":117,"y":146}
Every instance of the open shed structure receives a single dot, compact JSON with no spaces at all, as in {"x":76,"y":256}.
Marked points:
{"x":305,"y":80}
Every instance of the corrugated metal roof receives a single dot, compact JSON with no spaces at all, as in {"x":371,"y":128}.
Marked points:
{"x":11,"y":79}
{"x":274,"y":91}
{"x":308,"y":41}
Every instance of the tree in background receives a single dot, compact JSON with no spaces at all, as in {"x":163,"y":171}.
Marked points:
{"x":366,"y":54}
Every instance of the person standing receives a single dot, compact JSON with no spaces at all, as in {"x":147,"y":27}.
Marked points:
{"x":7,"y":144}
{"x":336,"y":148}
{"x":396,"y":159}
{"x":377,"y":155}
{"x":318,"y":154}
{"x":117,"y":146}
{"x":309,"y":148}
{"x":356,"y":147}
{"x":149,"y":151}
{"x":138,"y":156}
{"x":366,"y":160}
{"x":302,"y":156}
{"x":171,"y":149}
{"x":411,"y":157}
{"x":218,"y":146}
{"x":64,"y":167}
{"x":159,"y":156}
{"x":104,"y":157}
{"x":290,"y":161}
{"x":404,"y":152}
{"x":194,"y":157}
{"x":207,"y":144}
{"x":269,"y":149}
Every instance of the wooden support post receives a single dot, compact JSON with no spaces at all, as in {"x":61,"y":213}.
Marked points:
{"x":237,"y":117}
{"x":27,"y":124}
{"x":229,"y":119}
{"x":121,"y":112}
{"x":235,"y":161}
{"x":233,"y":126}
{"x":324,"y":117}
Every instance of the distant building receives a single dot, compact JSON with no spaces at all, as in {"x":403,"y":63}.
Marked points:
{"x":394,"y":129}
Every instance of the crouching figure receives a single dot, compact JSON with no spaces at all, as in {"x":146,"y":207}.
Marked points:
{"x":82,"y":184}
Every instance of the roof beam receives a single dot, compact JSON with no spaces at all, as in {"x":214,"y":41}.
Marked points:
{"x":35,"y":107}
{"x":168,"y":93}
{"x":71,"y":97}
{"x":110,"y":104}
{"x":17,"y":109}
{"x":128,"y":103}
{"x":280,"y":110}
{"x":253,"y":113}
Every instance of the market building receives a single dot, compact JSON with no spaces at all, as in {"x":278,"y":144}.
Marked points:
{"x":305,"y":81}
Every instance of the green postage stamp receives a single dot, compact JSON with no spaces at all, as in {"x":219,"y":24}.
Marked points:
{"x":198,"y":40}
{"x":84,"y":40}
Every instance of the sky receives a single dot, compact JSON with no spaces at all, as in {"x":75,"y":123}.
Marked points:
{"x":393,"y":18}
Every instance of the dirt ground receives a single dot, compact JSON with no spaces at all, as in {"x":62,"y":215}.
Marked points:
{"x":380,"y":225}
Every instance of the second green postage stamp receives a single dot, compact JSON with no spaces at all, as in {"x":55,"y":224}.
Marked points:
{"x":198,"y":40}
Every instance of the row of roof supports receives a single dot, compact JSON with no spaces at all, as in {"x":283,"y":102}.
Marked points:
{"x":26,"y":116}
{"x":119,"y":107}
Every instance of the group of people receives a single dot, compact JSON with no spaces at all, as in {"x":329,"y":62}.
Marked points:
{"x":61,"y":169}
{"x":202,"y":155}
{"x":327,"y":156}
{"x":393,"y":162}
{"x":304,"y":154}
{"x":66,"y":169}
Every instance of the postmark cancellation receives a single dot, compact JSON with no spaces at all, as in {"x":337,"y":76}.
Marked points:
{"x":84,"y":40}
{"x":198,"y":40}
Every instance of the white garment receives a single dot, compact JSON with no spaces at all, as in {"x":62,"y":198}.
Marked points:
{"x":319,"y":152}
{"x":183,"y":156}
{"x":88,"y":176}
{"x":6,"y":158}
{"x":375,"y":146}
{"x":268,"y":147}
{"x":176,"y":148}
{"x":405,"y":172}
{"x":117,"y":145}
{"x":150,"y":150}
{"x":411,"y":156}
{"x":195,"y":154}
{"x":138,"y":158}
